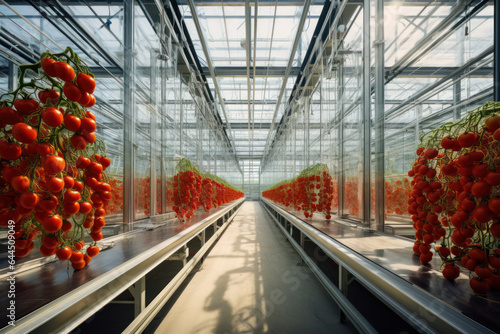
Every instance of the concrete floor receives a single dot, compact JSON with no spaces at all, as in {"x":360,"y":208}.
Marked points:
{"x":252,"y":282}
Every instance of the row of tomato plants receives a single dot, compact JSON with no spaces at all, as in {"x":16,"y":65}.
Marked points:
{"x":189,"y":190}
{"x":289,"y":193}
{"x":312,"y":191}
{"x":455,"y":197}
{"x":53,"y":184}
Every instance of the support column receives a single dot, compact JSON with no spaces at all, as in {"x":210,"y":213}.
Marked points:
{"x":129,"y":115}
{"x":13,"y":73}
{"x":340,"y":105}
{"x":366,"y":115}
{"x":496,"y":44}
{"x":379,"y":118}
{"x":153,"y":135}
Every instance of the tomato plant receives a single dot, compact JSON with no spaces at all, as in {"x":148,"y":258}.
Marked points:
{"x":47,"y":155}
{"x":457,"y":206}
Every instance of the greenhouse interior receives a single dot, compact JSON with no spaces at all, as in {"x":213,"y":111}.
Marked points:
{"x":272,"y":166}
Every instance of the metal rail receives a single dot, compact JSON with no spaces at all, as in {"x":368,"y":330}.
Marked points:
{"x":356,"y":318}
{"x":410,"y":302}
{"x":67,"y":312}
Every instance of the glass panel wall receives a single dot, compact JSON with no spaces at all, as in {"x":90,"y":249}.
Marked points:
{"x":173,"y":115}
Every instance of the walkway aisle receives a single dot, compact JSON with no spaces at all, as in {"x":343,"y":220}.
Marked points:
{"x":251,"y":282}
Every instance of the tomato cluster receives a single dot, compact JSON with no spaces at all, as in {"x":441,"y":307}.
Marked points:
{"x":191,"y":190}
{"x":455,"y":198}
{"x":311,"y":191}
{"x":145,"y":197}
{"x":397,"y":192}
{"x":52,"y":166}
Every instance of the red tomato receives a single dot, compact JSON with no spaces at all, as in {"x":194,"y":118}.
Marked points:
{"x":52,"y":116}
{"x":87,"y":259}
{"x":92,"y":101}
{"x":493,"y":178}
{"x":78,"y":265}
{"x":496,"y":135}
{"x":481,"y":189}
{"x":20,"y":183}
{"x":55,"y":184}
{"x":66,"y":226}
{"x":54,"y":164}
{"x":72,"y":92}
{"x":89,"y":137}
{"x":10,"y":151}
{"x":492,"y":123}
{"x":52,"y":224}
{"x":78,"y":142}
{"x":68,"y":182}
{"x":49,"y":204}
{"x":9,"y":116}
{"x":86,"y":82}
{"x":85,"y":99}
{"x":451,"y":272}
{"x":101,"y":186}
{"x":467,"y":139}
{"x":479,"y":285}
{"x":9,"y":172}
{"x":50,"y":96}
{"x":71,"y":208}
{"x":76,"y":256}
{"x":78,"y":186}
{"x":72,"y":122}
{"x":83,"y":162}
{"x":45,"y":251}
{"x":64,"y":71}
{"x":26,"y":106}
{"x":90,"y":114}
{"x":64,"y":253}
{"x":28,"y":200}
{"x":95,"y":168}
{"x":85,"y":207}
{"x":105,"y":162}
{"x":96,"y":236}
{"x":72,"y":196}
{"x":92,"y":251}
{"x":50,"y":241}
{"x":88,"y":125}
{"x":44,"y":149}
{"x":24,"y":133}
{"x":48,"y":66}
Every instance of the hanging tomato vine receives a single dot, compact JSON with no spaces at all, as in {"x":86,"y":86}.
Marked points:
{"x":311,"y":191}
{"x":53,"y":184}
{"x":192,"y":190}
{"x":455,"y":198}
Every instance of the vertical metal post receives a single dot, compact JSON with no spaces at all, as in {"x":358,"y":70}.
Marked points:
{"x":366,"y":115}
{"x":379,"y":117}
{"x":138,"y":291}
{"x":307,"y":149}
{"x":343,"y":285}
{"x":152,"y":136}
{"x":163,"y":132}
{"x":340,"y":113}
{"x":418,"y":112}
{"x":496,"y":43}
{"x":129,"y":114}
{"x":12,"y":84}
{"x":457,"y":97}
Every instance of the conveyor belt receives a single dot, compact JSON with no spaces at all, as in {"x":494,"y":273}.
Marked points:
{"x":395,"y":254}
{"x":253,"y":282}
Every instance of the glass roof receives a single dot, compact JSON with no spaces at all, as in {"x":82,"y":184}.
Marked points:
{"x":224,"y":32}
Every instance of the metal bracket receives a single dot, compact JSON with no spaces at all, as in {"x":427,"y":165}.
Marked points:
{"x":181,"y":255}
